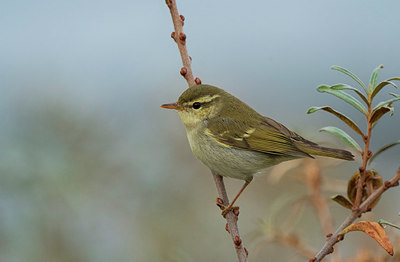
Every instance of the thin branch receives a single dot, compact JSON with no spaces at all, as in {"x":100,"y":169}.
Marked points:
{"x":364,"y":207}
{"x":186,"y":71}
{"x":231,"y":218}
{"x":366,"y":155}
{"x":314,"y":182}
{"x":180,"y":38}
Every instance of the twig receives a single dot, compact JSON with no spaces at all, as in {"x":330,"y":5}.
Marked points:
{"x":364,"y":207}
{"x":366,"y":155}
{"x":186,"y":71}
{"x":314,"y":183}
{"x":180,"y":39}
{"x":231,"y":218}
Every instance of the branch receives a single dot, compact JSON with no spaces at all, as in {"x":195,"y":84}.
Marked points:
{"x":231,"y":218}
{"x":180,"y":39}
{"x":314,"y":182}
{"x":186,"y":71}
{"x":366,"y":155}
{"x":364,"y":207}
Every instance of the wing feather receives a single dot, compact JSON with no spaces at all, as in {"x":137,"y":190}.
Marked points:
{"x":262,"y":136}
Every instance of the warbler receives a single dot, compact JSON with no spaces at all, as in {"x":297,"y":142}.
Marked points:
{"x":235,"y":141}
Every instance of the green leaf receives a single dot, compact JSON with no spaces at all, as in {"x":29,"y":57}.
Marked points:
{"x":387,"y":102}
{"x":342,"y":135}
{"x":393,"y":78}
{"x":342,"y":117}
{"x":341,"y":200}
{"x":380,"y":86}
{"x":374,"y":79}
{"x":347,"y":87}
{"x":344,"y":96}
{"x":384,"y":149}
{"x":384,"y":222}
{"x":347,"y":72}
{"x":376,"y":115}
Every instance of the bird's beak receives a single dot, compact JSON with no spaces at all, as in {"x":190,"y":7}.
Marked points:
{"x":172,"y":106}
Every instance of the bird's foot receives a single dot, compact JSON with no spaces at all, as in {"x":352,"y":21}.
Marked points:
{"x":220,"y":203}
{"x":230,"y":208}
{"x":227,"y":209}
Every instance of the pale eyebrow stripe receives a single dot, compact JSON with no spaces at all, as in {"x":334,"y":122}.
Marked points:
{"x":204,"y":99}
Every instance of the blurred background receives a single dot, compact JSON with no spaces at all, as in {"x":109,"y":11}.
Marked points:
{"x":92,"y":169}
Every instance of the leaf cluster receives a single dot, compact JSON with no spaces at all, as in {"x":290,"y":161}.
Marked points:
{"x":364,"y":105}
{"x":373,"y":181}
{"x":364,"y":182}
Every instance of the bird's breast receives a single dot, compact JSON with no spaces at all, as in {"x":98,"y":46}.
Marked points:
{"x":225,"y":160}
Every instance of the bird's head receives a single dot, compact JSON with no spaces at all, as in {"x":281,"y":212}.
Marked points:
{"x":199,"y":103}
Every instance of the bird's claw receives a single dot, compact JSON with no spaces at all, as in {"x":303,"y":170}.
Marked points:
{"x":220,"y":203}
{"x":228,"y":209}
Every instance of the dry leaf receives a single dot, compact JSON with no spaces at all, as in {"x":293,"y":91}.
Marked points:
{"x":374,"y":230}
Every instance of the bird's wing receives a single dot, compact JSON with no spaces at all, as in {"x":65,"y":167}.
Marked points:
{"x":283,"y":129}
{"x":263,"y":136}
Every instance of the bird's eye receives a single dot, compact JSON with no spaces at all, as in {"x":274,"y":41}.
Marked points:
{"x":196,"y":105}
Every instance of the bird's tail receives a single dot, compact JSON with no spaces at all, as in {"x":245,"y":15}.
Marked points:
{"x":316,"y":150}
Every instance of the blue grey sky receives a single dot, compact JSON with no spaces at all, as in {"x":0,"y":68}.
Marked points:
{"x":114,"y":62}
{"x":117,"y":56}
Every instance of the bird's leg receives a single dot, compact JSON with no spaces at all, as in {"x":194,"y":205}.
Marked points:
{"x":230,"y":207}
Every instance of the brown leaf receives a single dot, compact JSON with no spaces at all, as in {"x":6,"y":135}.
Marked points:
{"x":373,"y":181}
{"x":374,"y":230}
{"x":352,"y":187}
{"x":377,"y":114}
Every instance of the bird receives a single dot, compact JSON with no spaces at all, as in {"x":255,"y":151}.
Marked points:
{"x":234,"y":140}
